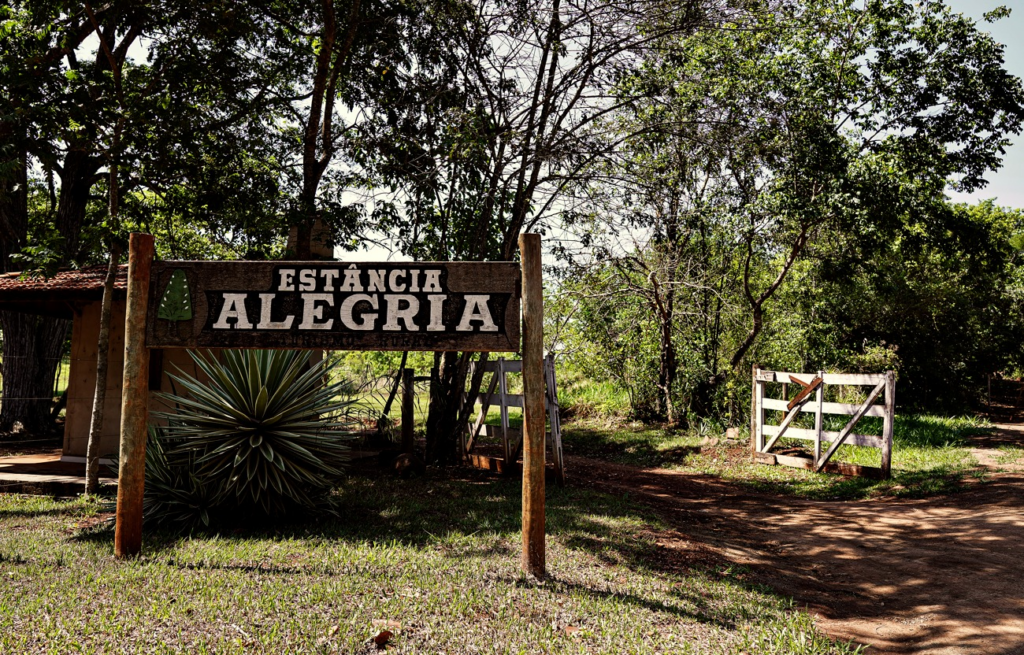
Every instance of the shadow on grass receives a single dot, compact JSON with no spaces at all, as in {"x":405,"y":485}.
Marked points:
{"x":929,"y":457}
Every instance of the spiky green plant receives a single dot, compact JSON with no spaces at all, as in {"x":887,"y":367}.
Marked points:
{"x":264,"y":432}
{"x":175,"y":496}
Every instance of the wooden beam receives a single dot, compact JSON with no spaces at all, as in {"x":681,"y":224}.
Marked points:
{"x":533,"y":553}
{"x":801,"y":398}
{"x":131,"y":478}
{"x":849,"y":426}
{"x":808,"y":389}
{"x":554,"y":419}
{"x":842,"y":468}
{"x":845,"y":409}
{"x":887,"y":422}
{"x":819,"y":416}
{"x":408,"y":410}
{"x":485,"y":406}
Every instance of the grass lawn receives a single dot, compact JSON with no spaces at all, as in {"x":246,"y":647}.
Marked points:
{"x":433,"y":561}
{"x":930,"y":456}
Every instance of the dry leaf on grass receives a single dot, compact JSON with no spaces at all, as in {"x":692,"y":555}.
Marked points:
{"x":382,"y":638}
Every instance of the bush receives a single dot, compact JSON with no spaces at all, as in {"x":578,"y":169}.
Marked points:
{"x":262,"y":437}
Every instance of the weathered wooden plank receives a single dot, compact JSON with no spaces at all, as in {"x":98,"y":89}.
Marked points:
{"x":533,"y":558}
{"x":819,"y":417}
{"x":794,"y":411}
{"x":808,"y":389}
{"x":482,"y":416}
{"x":845,"y":432}
{"x":759,"y":415}
{"x":843,"y":468}
{"x":804,"y":434}
{"x":887,"y":422}
{"x":842,"y":409}
{"x":554,"y":419}
{"x":511,"y":399}
{"x":511,"y":366}
{"x":494,"y":432}
{"x":335,"y":305}
{"x":854,"y":379}
{"x":408,"y":406}
{"x":131,"y":477}
{"x":503,"y":397}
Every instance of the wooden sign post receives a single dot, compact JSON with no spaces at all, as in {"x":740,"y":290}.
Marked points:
{"x":431,"y":306}
{"x":534,"y":432}
{"x":131,"y":474}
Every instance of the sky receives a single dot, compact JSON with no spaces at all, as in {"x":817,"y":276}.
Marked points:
{"x":1006,"y":185}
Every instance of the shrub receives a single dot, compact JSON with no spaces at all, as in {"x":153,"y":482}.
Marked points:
{"x":263,"y":436}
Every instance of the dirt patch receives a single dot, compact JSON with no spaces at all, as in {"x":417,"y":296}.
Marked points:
{"x":941,"y":575}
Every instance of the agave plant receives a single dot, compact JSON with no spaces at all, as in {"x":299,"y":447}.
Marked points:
{"x":175,"y":496}
{"x":264,"y":432}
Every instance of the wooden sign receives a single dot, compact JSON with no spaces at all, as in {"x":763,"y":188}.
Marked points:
{"x":336,"y":306}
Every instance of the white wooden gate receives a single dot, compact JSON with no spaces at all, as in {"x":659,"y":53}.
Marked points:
{"x":512,"y":438}
{"x":811,"y":399}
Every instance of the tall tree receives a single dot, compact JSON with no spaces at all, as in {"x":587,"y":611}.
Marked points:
{"x":487,"y":139}
{"x":801,"y":119}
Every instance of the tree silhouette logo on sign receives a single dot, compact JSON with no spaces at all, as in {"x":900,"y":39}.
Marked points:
{"x":385,"y":306}
{"x":176,"y":303}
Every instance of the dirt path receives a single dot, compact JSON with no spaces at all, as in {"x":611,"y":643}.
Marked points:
{"x":939,"y":576}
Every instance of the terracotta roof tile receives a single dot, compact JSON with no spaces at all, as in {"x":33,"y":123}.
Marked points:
{"x":89,"y":281}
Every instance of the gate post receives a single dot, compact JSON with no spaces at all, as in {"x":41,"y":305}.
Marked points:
{"x":534,"y":432}
{"x":131,"y":475}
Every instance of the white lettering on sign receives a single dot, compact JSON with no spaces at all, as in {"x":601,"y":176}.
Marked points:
{"x":396,"y":312}
{"x":433,"y":281}
{"x":234,"y":308}
{"x":393,"y":280}
{"x":354,"y":299}
{"x":436,"y":307}
{"x":313,"y":311}
{"x":351,"y":282}
{"x":347,"y":310}
{"x":266,"y":300}
{"x":328,"y":276}
{"x":376,"y":280}
{"x":476,"y":310}
{"x":286,"y":279}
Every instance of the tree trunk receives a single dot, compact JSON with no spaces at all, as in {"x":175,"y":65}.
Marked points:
{"x":667,"y":369}
{"x":92,"y":455}
{"x":31,"y":353}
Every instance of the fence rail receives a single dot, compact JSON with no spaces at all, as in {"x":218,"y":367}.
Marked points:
{"x":811,"y":399}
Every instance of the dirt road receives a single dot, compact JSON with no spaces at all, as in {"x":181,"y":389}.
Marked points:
{"x":943,"y":576}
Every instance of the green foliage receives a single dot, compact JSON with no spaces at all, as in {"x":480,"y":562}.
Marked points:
{"x":262,"y":436}
{"x":779,"y":200}
{"x":176,"y":305}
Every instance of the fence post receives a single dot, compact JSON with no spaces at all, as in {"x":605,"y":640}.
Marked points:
{"x":818,"y":416}
{"x":534,"y":432}
{"x":131,"y":476}
{"x":887,"y":423}
{"x":753,"y":410}
{"x":408,"y":409}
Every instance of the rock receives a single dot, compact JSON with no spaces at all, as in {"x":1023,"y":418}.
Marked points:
{"x":408,"y":465}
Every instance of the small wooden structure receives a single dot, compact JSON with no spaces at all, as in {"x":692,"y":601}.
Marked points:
{"x":76,"y":295}
{"x":512,"y":438}
{"x":811,"y":399}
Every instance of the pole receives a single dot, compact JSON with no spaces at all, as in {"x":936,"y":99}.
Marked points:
{"x":131,"y":477}
{"x":408,"y":409}
{"x":534,"y":431}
